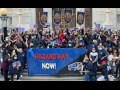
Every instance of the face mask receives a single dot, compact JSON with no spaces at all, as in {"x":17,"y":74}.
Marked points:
{"x":32,"y":37}
{"x":100,"y":48}
{"x":31,"y":46}
{"x":20,"y":51}
{"x":6,"y":39}
{"x":1,"y":50}
{"x":81,"y":39}
{"x":104,"y":65}
{"x":69,"y":44}
{"x":107,"y":41}
{"x":15,"y":57}
{"x":0,"y":45}
{"x":80,"y":45}
{"x":93,"y":50}
{"x":83,"y":60}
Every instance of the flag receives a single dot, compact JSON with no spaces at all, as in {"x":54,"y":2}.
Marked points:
{"x":57,"y":17}
{"x":80,"y":18}
{"x":43,"y":17}
{"x":68,"y":16}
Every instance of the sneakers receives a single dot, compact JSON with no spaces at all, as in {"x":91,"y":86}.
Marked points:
{"x":21,"y":76}
{"x":18,"y":80}
{"x":16,"y":76}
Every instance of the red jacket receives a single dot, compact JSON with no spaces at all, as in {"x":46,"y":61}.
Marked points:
{"x":61,"y":38}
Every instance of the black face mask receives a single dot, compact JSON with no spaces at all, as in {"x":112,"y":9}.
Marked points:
{"x":107,"y":41}
{"x":110,"y":51}
{"x":31,"y":46}
{"x":104,"y":66}
{"x":80,"y":46}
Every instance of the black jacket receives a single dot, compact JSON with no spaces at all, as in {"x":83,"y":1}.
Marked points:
{"x":5,"y":56}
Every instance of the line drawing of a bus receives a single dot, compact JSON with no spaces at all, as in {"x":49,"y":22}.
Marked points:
{"x":74,"y":65}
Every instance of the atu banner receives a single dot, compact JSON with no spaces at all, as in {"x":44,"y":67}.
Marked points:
{"x":80,"y":18}
{"x":68,"y":16}
{"x":43,"y":17}
{"x":54,"y":61}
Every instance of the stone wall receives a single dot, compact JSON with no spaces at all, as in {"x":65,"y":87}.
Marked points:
{"x":26,"y":19}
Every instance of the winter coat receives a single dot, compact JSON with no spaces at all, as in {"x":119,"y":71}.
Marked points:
{"x":11,"y":69}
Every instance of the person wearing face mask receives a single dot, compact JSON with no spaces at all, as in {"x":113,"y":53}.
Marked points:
{"x":41,"y":44}
{"x":69,"y":45}
{"x":81,"y":40}
{"x":96,"y":40}
{"x":12,"y":70}
{"x":111,"y":59}
{"x":109,"y":43}
{"x":102,"y":55}
{"x":72,"y":39}
{"x":80,"y":45}
{"x":103,"y":69}
{"x":22,"y":58}
{"x":5,"y":64}
{"x":94,"y":58}
{"x":1,"y":60}
{"x":57,"y":40}
{"x":90,"y":45}
{"x":90,"y":70}
{"x":6,"y":41}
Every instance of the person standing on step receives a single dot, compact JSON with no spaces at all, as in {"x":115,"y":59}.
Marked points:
{"x":21,"y":57}
{"x":12,"y":70}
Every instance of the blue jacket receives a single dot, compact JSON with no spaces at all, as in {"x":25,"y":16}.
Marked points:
{"x":90,"y":46}
{"x":108,"y":44}
{"x":22,"y":58}
{"x":96,"y":41}
{"x":38,"y":39}
{"x":11,"y":69}
{"x":89,"y":67}
{"x":82,"y":41}
{"x":102,"y":53}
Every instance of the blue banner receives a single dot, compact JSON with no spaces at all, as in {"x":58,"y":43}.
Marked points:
{"x":35,"y":26}
{"x":97,"y":25}
{"x":56,"y":27}
{"x":68,"y":16}
{"x":54,"y":61}
{"x":43,"y":17}
{"x":47,"y":25}
{"x":57,"y":17}
{"x":80,"y":18}
{"x":21,"y":29}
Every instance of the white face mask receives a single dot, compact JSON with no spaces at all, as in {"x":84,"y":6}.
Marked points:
{"x":15,"y":57}
{"x":6,"y":39}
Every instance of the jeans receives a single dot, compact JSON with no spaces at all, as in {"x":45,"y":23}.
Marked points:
{"x":89,"y":76}
{"x":112,"y":67}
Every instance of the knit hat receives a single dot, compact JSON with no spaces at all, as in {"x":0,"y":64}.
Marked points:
{"x":103,"y":62}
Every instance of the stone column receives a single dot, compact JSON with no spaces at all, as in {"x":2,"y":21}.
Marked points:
{"x":49,"y":10}
{"x":94,"y":17}
{"x":80,"y":10}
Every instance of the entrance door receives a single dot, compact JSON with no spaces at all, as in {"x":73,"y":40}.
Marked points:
{"x":88,"y":18}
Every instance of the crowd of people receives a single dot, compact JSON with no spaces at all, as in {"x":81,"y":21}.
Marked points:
{"x":102,"y":49}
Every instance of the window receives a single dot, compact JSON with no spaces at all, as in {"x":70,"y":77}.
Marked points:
{"x":11,"y":20}
{"x":87,"y":10}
